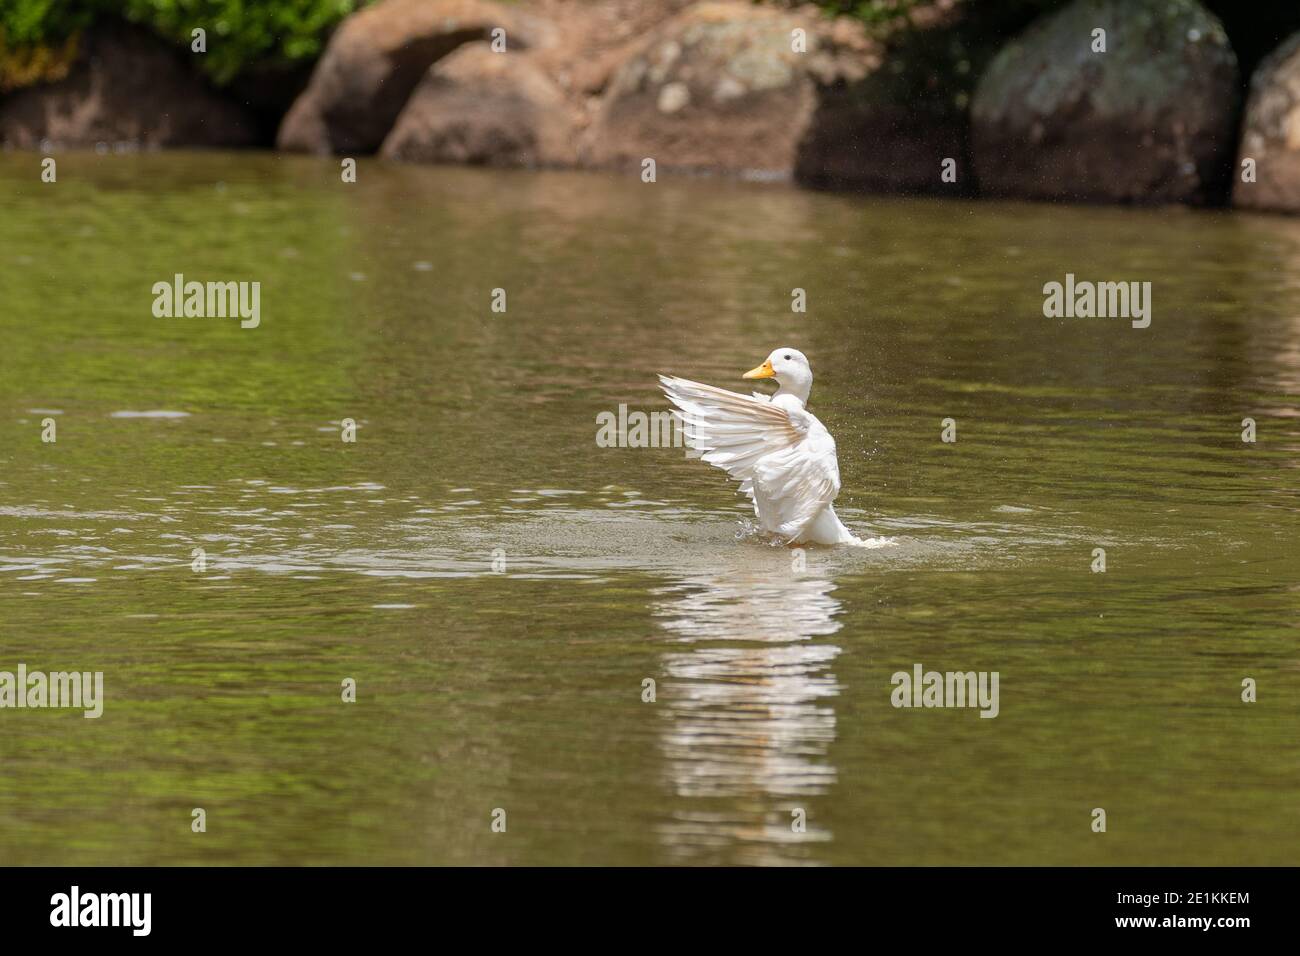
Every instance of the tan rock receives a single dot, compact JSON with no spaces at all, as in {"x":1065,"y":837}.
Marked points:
{"x":723,"y":86}
{"x":377,"y":57}
{"x":1270,"y":134}
{"x":478,"y":106}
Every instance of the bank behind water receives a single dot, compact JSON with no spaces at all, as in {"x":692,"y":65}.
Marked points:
{"x":1141,"y":101}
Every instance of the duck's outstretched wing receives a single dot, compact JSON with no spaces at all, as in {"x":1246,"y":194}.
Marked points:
{"x":790,"y":473}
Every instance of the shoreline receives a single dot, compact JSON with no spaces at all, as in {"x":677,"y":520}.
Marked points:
{"x":937,"y":101}
{"x":699,"y":177}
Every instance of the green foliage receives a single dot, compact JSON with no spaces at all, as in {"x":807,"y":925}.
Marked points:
{"x":884,"y":13}
{"x":32,"y":23}
{"x":243,"y":32}
{"x":240,"y":33}
{"x":38,"y":40}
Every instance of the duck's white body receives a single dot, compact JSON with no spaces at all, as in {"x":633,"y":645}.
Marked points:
{"x":782,"y":455}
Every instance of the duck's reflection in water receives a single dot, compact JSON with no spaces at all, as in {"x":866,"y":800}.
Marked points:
{"x":746,"y":696}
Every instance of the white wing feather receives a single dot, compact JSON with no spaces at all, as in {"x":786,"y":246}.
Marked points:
{"x":782,"y":456}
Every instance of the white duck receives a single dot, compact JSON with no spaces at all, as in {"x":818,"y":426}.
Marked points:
{"x":782,"y":455}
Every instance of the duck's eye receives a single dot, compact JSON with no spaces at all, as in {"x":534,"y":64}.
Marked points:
{"x":786,"y":357}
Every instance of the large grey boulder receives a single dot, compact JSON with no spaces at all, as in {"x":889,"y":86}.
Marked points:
{"x":1151,"y":119}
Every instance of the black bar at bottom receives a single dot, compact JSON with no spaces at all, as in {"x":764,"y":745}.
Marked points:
{"x":333,"y":906}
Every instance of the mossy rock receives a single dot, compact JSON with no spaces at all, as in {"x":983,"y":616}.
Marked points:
{"x":1151,"y":119}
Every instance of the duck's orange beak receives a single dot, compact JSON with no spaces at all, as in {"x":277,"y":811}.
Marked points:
{"x":763,"y":371}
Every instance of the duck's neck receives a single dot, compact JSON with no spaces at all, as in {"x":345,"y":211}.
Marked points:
{"x":799,"y":390}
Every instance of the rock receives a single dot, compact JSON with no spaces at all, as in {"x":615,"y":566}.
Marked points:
{"x":478,"y":106}
{"x":892,"y":130}
{"x":376,"y":58}
{"x":1271,"y":134}
{"x":126,"y":88}
{"x":596,"y":37}
{"x":1152,"y":119}
{"x":721,"y":86}
{"x":865,"y":138}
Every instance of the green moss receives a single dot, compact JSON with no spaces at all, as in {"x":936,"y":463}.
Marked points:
{"x":1156,"y":49}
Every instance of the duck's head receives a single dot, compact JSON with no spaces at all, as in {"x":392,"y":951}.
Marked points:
{"x":791,"y":370}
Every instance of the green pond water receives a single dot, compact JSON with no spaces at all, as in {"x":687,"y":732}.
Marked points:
{"x":476,"y":439}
